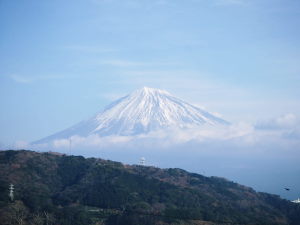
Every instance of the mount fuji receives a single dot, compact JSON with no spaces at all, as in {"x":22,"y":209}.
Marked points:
{"x":143,"y":111}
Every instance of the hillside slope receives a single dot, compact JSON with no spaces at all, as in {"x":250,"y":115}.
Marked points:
{"x":58,"y":189}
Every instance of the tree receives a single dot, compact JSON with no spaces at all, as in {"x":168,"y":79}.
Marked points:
{"x":19,"y":213}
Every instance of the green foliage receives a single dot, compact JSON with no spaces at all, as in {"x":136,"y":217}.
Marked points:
{"x":73,"y":216}
{"x":72,"y":169}
{"x":132,"y":218}
{"x":3,"y":191}
{"x":75,"y":190}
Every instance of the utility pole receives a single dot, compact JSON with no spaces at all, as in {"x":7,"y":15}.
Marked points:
{"x":70,"y":144}
{"x":11,"y":192}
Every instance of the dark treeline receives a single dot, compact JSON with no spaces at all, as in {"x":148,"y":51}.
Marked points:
{"x":69,"y":190}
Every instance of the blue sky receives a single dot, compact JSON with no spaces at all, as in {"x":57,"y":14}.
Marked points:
{"x":62,"y":61}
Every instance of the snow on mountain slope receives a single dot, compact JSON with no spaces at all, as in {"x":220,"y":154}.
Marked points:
{"x":142,"y":111}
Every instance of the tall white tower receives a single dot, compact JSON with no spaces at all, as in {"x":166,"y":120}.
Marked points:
{"x":11,"y":192}
{"x":142,"y":161}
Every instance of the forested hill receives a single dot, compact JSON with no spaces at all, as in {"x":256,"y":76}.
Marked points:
{"x":72,"y":190}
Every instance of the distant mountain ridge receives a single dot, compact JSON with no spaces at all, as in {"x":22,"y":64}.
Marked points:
{"x":142,"y":111}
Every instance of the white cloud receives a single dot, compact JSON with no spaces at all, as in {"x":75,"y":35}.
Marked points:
{"x":293,"y":133}
{"x":282,"y":122}
{"x":133,"y":2}
{"x":31,"y":79}
{"x":287,"y":120}
{"x":238,"y":138}
{"x":89,"y":49}
{"x":159,"y":139}
{"x":230,"y":2}
{"x":122,"y":63}
{"x":21,"y":79}
{"x":90,"y":141}
{"x":128,"y":63}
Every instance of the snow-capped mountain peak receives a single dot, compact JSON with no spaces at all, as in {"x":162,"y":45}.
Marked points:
{"x":142,"y":111}
{"x":150,"y":91}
